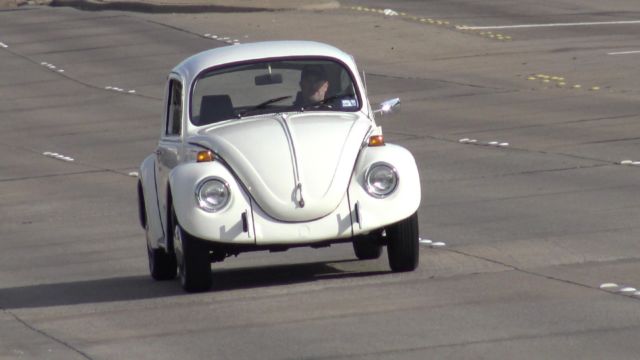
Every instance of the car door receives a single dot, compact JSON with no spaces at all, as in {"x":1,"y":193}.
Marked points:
{"x":169,"y":148}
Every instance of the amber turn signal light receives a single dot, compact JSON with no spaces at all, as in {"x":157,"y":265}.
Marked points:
{"x":376,"y":140}
{"x":204,"y":156}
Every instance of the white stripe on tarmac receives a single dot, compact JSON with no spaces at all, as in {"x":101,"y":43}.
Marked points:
{"x":524,"y":26}
{"x":624,"y":52}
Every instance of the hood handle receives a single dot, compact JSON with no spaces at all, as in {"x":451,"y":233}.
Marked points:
{"x":299,"y":197}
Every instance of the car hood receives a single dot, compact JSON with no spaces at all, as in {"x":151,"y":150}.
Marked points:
{"x":296,"y":167}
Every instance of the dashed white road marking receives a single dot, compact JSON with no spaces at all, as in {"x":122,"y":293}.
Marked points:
{"x":58,"y":156}
{"x":628,"y":289}
{"x":624,"y":52}
{"x":3,"y":45}
{"x":114,"y":88}
{"x":525,"y":26}
{"x":133,"y":174}
{"x":425,"y":241}
{"x":51,"y":67}
{"x":490,"y":143}
{"x":438,"y":244}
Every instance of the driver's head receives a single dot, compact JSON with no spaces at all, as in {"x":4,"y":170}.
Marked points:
{"x":313,"y":83}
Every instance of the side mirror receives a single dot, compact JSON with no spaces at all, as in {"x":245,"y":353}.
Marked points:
{"x":388,"y":106}
{"x":268,"y":79}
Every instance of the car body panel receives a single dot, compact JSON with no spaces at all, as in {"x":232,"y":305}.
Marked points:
{"x":306,"y":157}
{"x":373,"y":212}
{"x":223,"y":226}
{"x":270,"y":231}
{"x":154,"y":227}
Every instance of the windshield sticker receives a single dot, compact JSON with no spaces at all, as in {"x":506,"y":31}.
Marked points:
{"x":349,"y":103}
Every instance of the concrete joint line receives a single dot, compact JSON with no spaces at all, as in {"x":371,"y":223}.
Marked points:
{"x":527,"y":272}
{"x":47,"y":335}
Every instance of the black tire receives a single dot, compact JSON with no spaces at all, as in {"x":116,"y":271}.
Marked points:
{"x":403,"y":244}
{"x":194,"y":264}
{"x":367,"y":249}
{"x":162,"y":266}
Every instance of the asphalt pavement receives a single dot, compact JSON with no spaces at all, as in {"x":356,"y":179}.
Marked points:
{"x":524,"y":120}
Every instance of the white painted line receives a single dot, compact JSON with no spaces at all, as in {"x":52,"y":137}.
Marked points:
{"x":473,"y":141}
{"x":465,"y":140}
{"x":60,"y":70}
{"x":133,"y":174}
{"x":637,"y":293}
{"x":131,"y":91}
{"x":425,"y":241}
{"x":608,"y":286}
{"x":628,"y":289}
{"x":626,"y":162}
{"x":3,"y":45}
{"x":494,"y":143}
{"x":624,"y":52}
{"x":438,"y":244}
{"x":503,"y":144}
{"x":525,"y":26}
{"x":636,"y":163}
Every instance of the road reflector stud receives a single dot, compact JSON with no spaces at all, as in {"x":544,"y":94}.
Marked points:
{"x":608,"y":286}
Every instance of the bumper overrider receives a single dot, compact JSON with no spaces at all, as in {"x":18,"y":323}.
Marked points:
{"x":212,"y":205}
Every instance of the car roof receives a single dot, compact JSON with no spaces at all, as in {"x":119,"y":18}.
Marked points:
{"x":192,"y":66}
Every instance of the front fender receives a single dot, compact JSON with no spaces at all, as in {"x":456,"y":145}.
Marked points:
{"x":227,"y":225}
{"x":373,"y":213}
{"x":154,"y":229}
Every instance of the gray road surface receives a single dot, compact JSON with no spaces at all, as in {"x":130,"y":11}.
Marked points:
{"x":532,"y":229}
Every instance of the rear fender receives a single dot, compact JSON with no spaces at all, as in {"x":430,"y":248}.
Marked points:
{"x":370,"y":213}
{"x":154,"y":227}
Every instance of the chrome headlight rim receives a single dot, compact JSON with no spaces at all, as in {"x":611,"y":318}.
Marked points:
{"x":203,"y":205}
{"x":371,"y":189}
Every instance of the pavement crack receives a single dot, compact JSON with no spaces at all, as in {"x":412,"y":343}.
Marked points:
{"x":47,"y":335}
{"x":473,"y":342}
{"x":520,"y":173}
{"x":533,"y":273}
{"x":547,"y":125}
{"x":435,"y":80}
{"x":78,"y":81}
{"x":55,"y":175}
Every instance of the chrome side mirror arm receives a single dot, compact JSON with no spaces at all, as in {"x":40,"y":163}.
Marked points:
{"x":388,"y":106}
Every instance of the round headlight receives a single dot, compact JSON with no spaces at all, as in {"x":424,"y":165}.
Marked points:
{"x":212,"y":194}
{"x":381,"y":180}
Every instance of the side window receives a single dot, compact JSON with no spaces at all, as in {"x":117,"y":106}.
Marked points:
{"x":174,"y":111}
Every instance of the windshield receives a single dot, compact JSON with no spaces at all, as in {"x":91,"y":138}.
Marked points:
{"x":272,"y":87}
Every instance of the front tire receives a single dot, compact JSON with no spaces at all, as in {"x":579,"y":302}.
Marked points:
{"x":368,"y":248}
{"x":162,"y":266}
{"x":403,"y":244}
{"x":194,"y":264}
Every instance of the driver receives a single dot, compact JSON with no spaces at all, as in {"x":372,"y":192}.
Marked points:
{"x":313,"y":85}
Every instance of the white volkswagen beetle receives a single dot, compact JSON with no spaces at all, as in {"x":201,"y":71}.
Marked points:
{"x":269,"y":146}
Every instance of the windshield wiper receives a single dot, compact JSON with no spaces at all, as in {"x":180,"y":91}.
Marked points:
{"x":262,"y":105}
